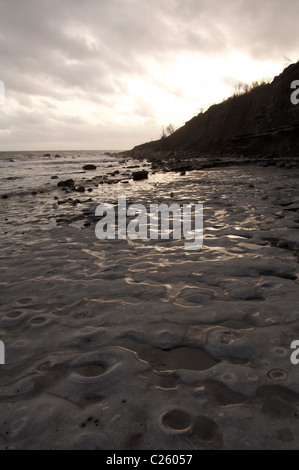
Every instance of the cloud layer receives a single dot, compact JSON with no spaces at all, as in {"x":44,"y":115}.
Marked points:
{"x":108,"y":74}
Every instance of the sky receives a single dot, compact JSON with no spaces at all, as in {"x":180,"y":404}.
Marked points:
{"x":110,"y":74}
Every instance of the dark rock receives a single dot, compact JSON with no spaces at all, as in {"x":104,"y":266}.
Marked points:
{"x":80,"y":189}
{"x":66,"y":184}
{"x":76,"y":201}
{"x":34,"y":193}
{"x":57,"y":156}
{"x":282,"y":244}
{"x":140,"y":175}
{"x":54,"y":177}
{"x":4,"y":196}
{"x":47,"y":155}
{"x":89,"y":167}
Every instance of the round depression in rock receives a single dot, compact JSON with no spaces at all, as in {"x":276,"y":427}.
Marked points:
{"x":176,"y":421}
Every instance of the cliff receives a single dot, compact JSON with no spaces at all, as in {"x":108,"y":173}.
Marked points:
{"x":263,"y":120}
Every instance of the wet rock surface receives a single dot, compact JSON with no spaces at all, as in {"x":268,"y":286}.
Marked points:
{"x":123,"y":344}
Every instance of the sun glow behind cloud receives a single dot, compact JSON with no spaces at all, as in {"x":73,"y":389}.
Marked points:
{"x":178,"y":90}
{"x":112,"y":74}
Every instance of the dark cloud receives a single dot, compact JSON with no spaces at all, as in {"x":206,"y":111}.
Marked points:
{"x":68,"y":50}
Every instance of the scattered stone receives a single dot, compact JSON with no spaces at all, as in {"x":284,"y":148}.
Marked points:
{"x":34,"y":193}
{"x":57,"y":156}
{"x":47,"y":155}
{"x":54,"y":177}
{"x":76,"y":201}
{"x":282,"y":244}
{"x":140,"y":175}
{"x":66,"y":184}
{"x":89,"y":167}
{"x":80,"y":189}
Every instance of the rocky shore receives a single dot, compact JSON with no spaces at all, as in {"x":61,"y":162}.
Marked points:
{"x":139,"y":344}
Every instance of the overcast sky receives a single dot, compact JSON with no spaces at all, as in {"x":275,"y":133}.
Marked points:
{"x":109,"y":74}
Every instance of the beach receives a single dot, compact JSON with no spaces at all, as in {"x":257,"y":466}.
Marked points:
{"x":141,"y":344}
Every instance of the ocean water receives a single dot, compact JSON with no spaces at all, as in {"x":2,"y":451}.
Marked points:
{"x":25,"y":171}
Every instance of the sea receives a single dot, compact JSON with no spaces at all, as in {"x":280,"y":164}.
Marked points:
{"x":26,"y":171}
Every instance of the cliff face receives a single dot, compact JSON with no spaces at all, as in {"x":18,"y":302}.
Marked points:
{"x":263,"y":120}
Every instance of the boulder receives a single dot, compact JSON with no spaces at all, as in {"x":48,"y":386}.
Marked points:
{"x":89,"y":167}
{"x":66,"y":184}
{"x":80,"y":189}
{"x":140,"y":175}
